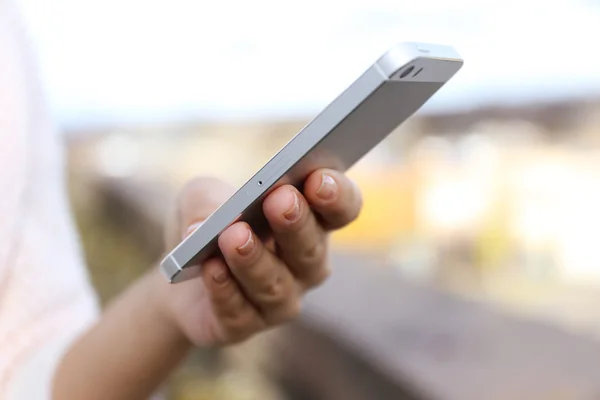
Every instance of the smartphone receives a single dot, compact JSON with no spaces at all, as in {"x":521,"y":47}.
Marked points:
{"x":381,"y":99}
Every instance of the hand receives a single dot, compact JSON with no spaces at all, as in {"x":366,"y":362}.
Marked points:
{"x":256,"y":285}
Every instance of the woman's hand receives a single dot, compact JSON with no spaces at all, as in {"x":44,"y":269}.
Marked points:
{"x":148,"y":329}
{"x":256,"y":285}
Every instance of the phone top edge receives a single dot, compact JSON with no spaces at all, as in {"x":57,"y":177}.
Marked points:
{"x":398,"y":56}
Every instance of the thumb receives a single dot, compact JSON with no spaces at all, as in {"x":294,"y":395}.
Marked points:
{"x":196,"y":201}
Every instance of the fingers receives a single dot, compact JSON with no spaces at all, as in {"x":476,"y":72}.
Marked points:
{"x":334,"y":197}
{"x":264,"y":279}
{"x":301,"y":241}
{"x":252,"y":287}
{"x":198,"y":199}
{"x":299,"y":233}
{"x":238,"y":318}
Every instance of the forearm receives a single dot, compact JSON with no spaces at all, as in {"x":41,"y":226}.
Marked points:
{"x":127,"y":354}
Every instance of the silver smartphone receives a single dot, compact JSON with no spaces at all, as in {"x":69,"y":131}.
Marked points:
{"x":383,"y":97}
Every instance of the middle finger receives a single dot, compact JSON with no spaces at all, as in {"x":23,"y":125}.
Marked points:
{"x":266,"y":282}
{"x":301,"y":241}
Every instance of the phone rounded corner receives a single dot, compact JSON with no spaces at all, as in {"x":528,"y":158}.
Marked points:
{"x":395,"y":58}
{"x":169,"y":268}
{"x":404,"y":53}
{"x":424,"y":62}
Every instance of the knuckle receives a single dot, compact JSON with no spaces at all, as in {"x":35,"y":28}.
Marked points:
{"x":315,"y":252}
{"x":273,"y":291}
{"x":318,"y":277}
{"x":278,"y":300}
{"x":228,"y":300}
{"x":240,"y":325}
{"x":253,"y":272}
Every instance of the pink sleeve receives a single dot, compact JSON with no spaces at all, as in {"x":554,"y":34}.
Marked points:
{"x":46,"y":299}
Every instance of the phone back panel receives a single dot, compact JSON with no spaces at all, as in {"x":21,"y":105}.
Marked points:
{"x":353,"y":124}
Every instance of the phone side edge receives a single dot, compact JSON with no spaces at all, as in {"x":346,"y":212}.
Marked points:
{"x":177,"y":261}
{"x":175,"y":265}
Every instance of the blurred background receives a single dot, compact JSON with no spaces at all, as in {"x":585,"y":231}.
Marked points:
{"x":487,"y":197}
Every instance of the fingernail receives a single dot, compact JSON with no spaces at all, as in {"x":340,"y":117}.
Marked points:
{"x":328,"y":188}
{"x":247,"y":247}
{"x":192,"y":228}
{"x":294,"y":212}
{"x":220,"y":276}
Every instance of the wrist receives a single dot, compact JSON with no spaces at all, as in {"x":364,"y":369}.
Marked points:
{"x":136,"y":341}
{"x":160,"y":297}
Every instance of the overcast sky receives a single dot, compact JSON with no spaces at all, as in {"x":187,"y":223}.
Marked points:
{"x":138,"y":59}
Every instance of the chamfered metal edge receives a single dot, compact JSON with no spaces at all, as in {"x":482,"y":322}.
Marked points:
{"x":169,"y":268}
{"x":396,"y":57}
